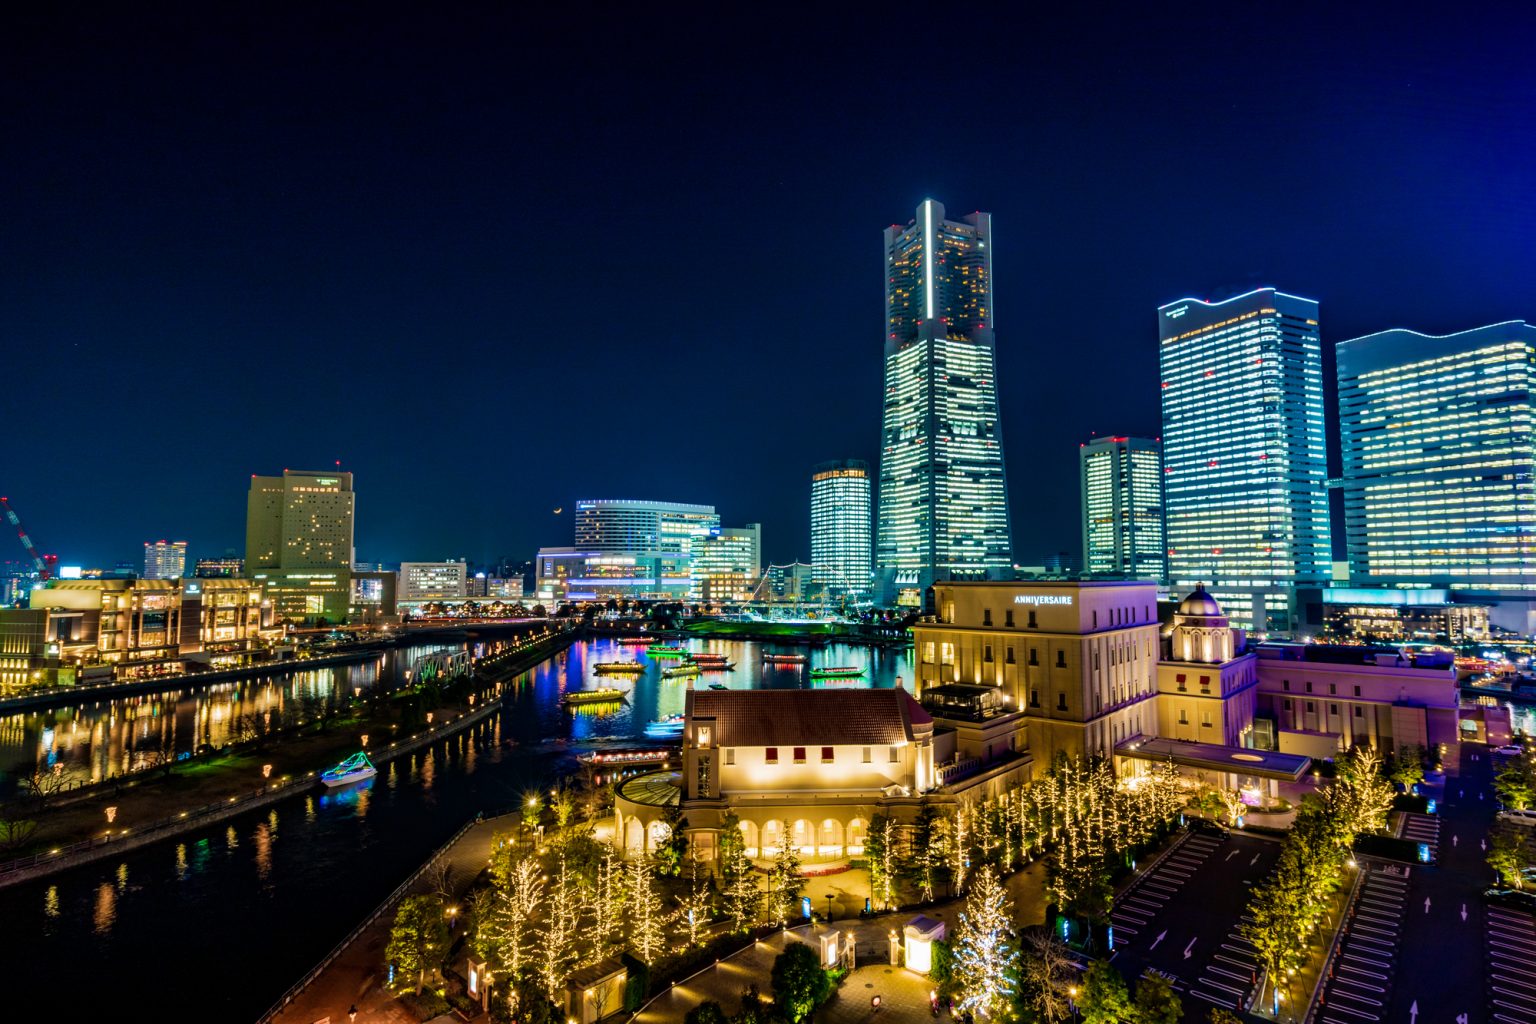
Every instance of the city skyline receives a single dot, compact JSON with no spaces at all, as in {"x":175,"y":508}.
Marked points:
{"x":343,"y":264}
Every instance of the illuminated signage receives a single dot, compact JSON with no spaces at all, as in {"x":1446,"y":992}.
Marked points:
{"x":325,"y":481}
{"x":1042,"y":598}
{"x":1174,"y":314}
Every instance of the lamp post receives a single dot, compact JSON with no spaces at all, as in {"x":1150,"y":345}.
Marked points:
{"x":829,"y":908}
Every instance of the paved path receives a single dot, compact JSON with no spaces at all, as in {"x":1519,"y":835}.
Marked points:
{"x":356,"y":977}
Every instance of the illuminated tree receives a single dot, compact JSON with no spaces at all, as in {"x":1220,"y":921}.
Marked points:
{"x":1360,"y":796}
{"x":784,"y":879}
{"x":647,"y":915}
{"x":609,"y":897}
{"x":800,"y":984}
{"x":1516,"y":784}
{"x":557,"y":952}
{"x":985,"y":954}
{"x":1156,"y":1001}
{"x":1232,"y":803}
{"x":1511,"y":856}
{"x":880,"y":853}
{"x":693,"y":905}
{"x":506,"y":914}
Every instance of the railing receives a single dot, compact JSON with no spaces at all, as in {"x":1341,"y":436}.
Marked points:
{"x":957,"y":769}
{"x":389,"y":901}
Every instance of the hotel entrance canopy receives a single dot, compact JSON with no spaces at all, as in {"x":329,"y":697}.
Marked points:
{"x":1262,"y":764}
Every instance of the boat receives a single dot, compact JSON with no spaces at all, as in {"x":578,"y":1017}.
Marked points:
{"x":687,"y":668}
{"x":666,"y":651}
{"x":715,"y":666}
{"x":669,"y":726}
{"x":702,"y":656}
{"x":837,"y":672}
{"x":627,"y":756}
{"x":618,"y":668}
{"x":353,"y":769}
{"x":785,"y":659}
{"x":602,"y":696}
{"x":718,"y":686}
{"x":636,"y":640}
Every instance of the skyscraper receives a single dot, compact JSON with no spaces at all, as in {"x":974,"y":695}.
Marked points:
{"x":165,"y":560}
{"x":840,"y":525}
{"x":298,"y":540}
{"x":627,"y":549}
{"x":1244,"y":467}
{"x":1122,"y":486}
{"x":1436,"y":434}
{"x":943,"y":495}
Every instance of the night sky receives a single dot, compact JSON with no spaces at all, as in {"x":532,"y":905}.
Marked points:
{"x":494,"y":263}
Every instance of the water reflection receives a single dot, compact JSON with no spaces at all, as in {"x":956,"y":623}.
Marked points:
{"x":99,"y":739}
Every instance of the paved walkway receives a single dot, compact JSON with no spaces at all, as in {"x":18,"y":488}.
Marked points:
{"x":356,"y":977}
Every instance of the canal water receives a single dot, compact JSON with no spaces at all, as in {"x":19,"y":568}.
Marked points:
{"x":217,"y":924}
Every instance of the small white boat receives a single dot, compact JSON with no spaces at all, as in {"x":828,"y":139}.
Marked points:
{"x":353,"y":769}
{"x":669,"y":726}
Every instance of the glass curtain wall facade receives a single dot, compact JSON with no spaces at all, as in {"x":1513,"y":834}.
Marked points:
{"x":165,"y":560}
{"x":1436,"y":437}
{"x":1244,"y":464}
{"x":840,"y":526}
{"x":943,"y":497}
{"x":1122,"y":486}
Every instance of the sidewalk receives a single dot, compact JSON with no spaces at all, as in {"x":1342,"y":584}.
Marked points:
{"x":355,"y":978}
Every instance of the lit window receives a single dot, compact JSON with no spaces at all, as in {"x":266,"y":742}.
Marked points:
{"x":799,"y":755}
{"x":771,"y":755}
{"x":826,"y":755}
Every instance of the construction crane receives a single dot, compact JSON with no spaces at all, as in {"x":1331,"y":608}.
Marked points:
{"x":44,"y":563}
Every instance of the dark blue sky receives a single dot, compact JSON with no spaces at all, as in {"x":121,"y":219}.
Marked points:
{"x":492,"y":263}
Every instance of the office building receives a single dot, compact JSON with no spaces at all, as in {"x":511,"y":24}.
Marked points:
{"x":943,"y":498}
{"x":1244,"y":465}
{"x":227,"y":567}
{"x":299,"y":543}
{"x":1436,"y":438}
{"x":1122,"y":489}
{"x":432,"y":581}
{"x":118,"y":620}
{"x":220,"y":618}
{"x":639,"y":550}
{"x":165,"y":560}
{"x":727,"y":564}
{"x":840,"y":527}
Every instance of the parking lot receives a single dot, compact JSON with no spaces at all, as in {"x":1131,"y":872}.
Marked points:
{"x":1181,"y":919}
{"x":1510,"y":953}
{"x":1360,"y":980}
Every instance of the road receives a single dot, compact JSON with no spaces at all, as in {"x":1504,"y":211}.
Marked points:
{"x":1181,"y":919}
{"x":1417,"y":948}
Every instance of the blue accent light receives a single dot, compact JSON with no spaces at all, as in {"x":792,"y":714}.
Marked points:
{"x":805,"y":907}
{"x":1424,"y":852}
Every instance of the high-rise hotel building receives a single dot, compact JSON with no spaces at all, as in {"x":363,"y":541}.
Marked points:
{"x":943,"y":500}
{"x":1122,"y":486}
{"x":1244,"y":464}
{"x":1436,"y":435}
{"x":165,"y":559}
{"x":298,"y":542}
{"x":840,"y":525}
{"x":627,"y":549}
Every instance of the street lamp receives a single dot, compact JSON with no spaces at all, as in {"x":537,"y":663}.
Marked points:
{"x":829,"y":907}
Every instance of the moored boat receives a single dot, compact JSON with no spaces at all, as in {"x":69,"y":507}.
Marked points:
{"x":785,"y":659}
{"x":607,"y":695}
{"x":636,"y":640}
{"x":687,"y":668}
{"x":666,"y":651}
{"x":716,"y":666}
{"x":837,"y":672}
{"x":353,"y":769}
{"x":618,"y":668}
{"x":627,"y":756}
{"x":669,"y":726}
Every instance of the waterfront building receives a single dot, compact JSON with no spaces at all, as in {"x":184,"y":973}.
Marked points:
{"x":1087,"y":668}
{"x":1436,"y":434}
{"x":432,"y":581}
{"x":221,"y":617}
{"x":120,"y":621}
{"x":1321,"y":699}
{"x":165,"y":560}
{"x":943,"y":496}
{"x":726,"y":564}
{"x":1122,"y":488}
{"x":504,"y":589}
{"x":640,"y":550}
{"x":299,"y":542}
{"x":1244,"y":464}
{"x":30,"y":647}
{"x":227,"y":567}
{"x":1392,"y":614}
{"x":373,"y":596}
{"x":840,"y":527}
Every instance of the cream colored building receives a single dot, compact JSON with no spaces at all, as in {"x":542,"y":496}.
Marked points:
{"x":129,"y":620}
{"x":1206,"y":690}
{"x":1078,"y":658}
{"x":299,"y":542}
{"x":222,"y":616}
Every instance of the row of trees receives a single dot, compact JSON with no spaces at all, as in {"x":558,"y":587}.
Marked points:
{"x":1079,"y":811}
{"x":1288,"y":908}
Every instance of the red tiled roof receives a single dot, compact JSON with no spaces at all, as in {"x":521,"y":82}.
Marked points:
{"x":766,"y":718}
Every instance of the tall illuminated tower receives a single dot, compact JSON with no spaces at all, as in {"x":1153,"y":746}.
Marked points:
{"x":1436,"y":434}
{"x":165,"y":560}
{"x":1122,"y":485}
{"x":840,"y":522}
{"x":1244,"y":464}
{"x":943,"y":504}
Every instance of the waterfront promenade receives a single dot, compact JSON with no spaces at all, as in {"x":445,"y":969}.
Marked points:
{"x":354,"y":974}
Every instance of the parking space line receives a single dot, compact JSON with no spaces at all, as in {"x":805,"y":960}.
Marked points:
{"x":1516,"y":995}
{"x":1508,"y":1020}
{"x":1365,"y":960}
{"x":1336,"y":994}
{"x":1361,"y":970}
{"x":1497,"y":957}
{"x":1226,"y":1003}
{"x":1506,"y":979}
{"x":1357,"y":983}
{"x":1506,"y":945}
{"x":1225,"y":988}
{"x":1355,"y":1013}
{"x":1523,"y":940}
